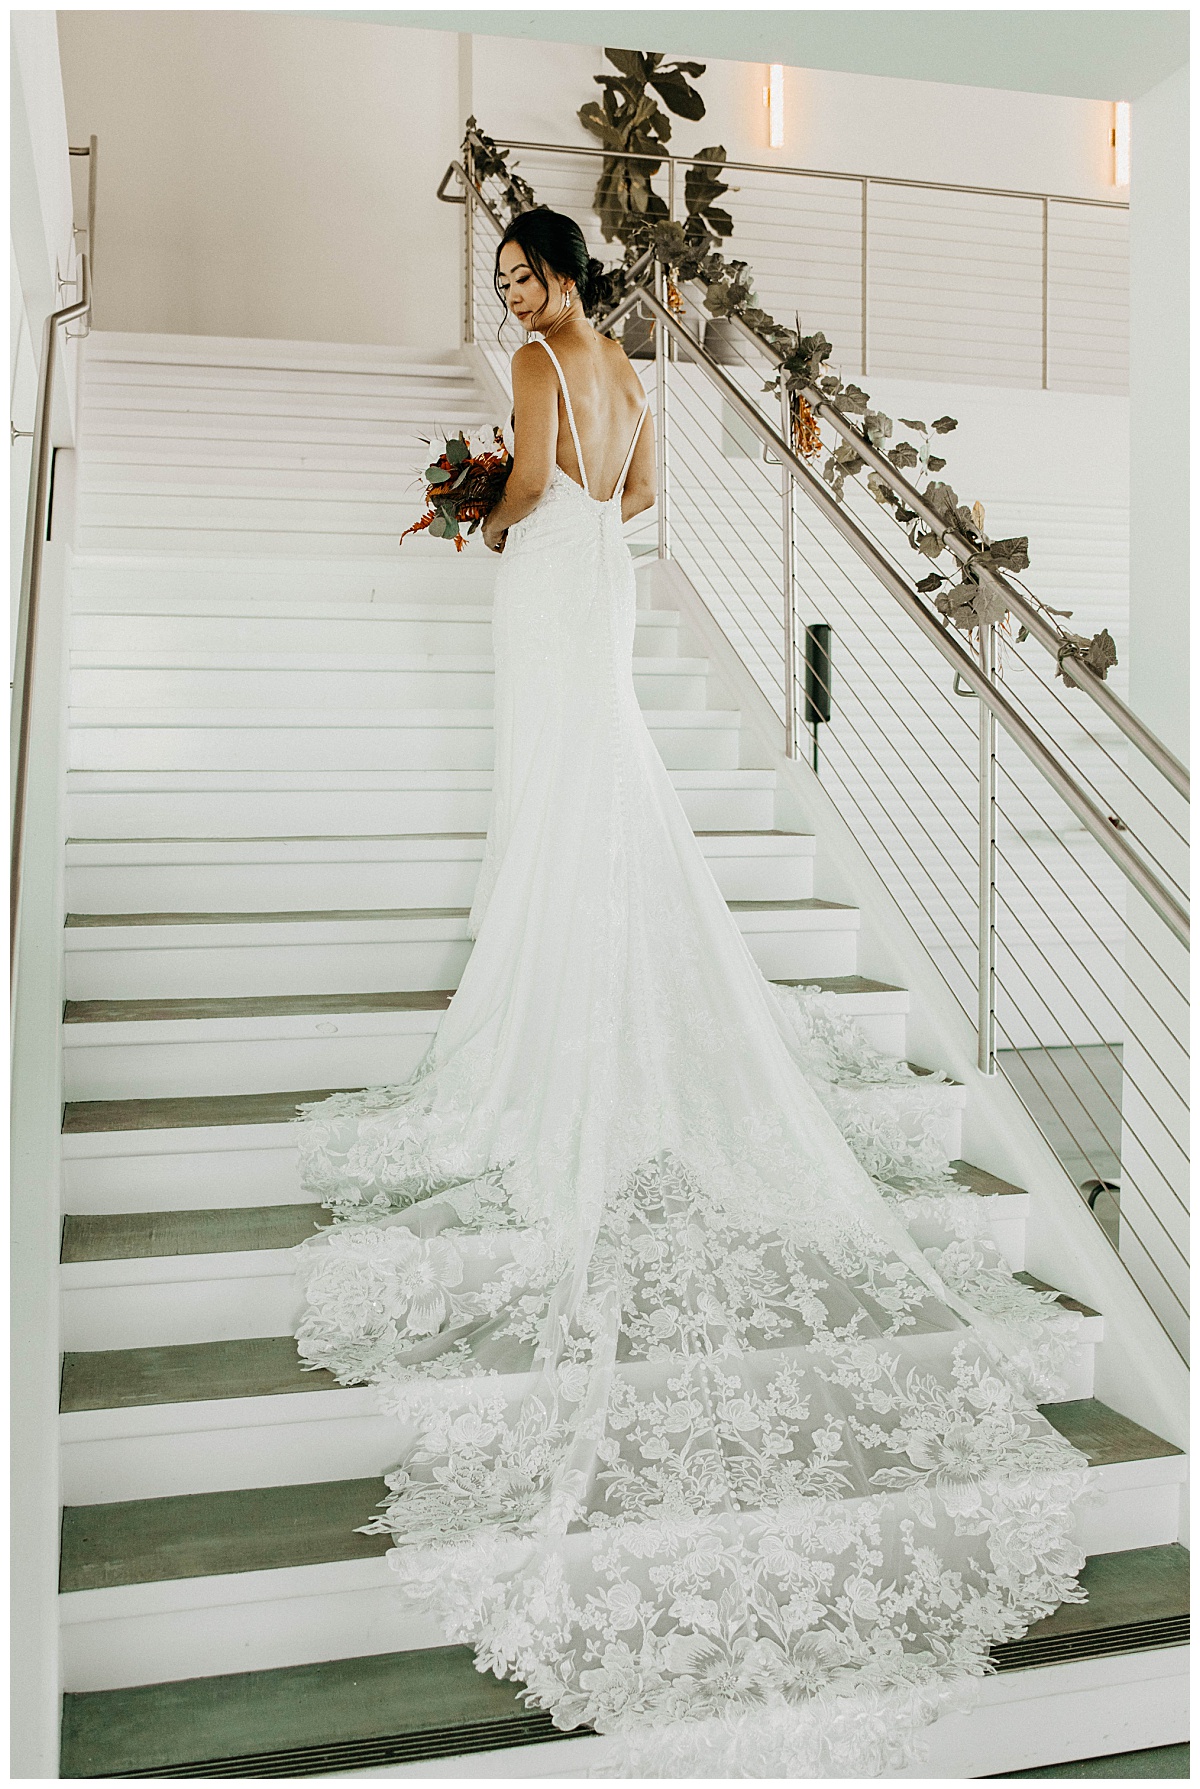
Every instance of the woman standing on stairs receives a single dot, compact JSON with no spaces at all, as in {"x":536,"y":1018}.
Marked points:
{"x":722,"y":1426}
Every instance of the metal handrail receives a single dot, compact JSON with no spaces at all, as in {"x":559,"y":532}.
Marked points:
{"x":940,"y":186}
{"x":1135,"y":730}
{"x":1094,"y":820}
{"x":31,"y":562}
{"x":1102,"y":826}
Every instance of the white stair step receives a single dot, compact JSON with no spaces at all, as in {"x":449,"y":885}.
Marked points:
{"x":453,"y":617}
{"x":110,"y":381}
{"x":208,"y":804}
{"x":268,"y":875}
{"x":160,"y":591}
{"x":169,"y":349}
{"x":164,"y":1056}
{"x":201,"y":1626}
{"x":352,"y":739}
{"x":306,"y":681}
{"x":354,"y":952}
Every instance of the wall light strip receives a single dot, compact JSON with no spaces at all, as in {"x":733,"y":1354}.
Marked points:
{"x":1120,"y":142}
{"x":773,"y":96}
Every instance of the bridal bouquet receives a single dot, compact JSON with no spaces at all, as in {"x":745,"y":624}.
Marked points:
{"x":461,"y":486}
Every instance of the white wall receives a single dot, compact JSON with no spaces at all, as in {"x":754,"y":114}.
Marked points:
{"x":41,"y":238}
{"x":862,"y":124}
{"x":272,"y":173}
{"x":269,"y":174}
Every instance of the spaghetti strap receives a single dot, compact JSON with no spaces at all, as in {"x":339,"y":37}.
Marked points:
{"x":562,"y":381}
{"x":624,"y":473}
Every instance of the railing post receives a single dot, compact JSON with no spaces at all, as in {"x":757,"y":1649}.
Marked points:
{"x":661,"y":444}
{"x":865,"y":275}
{"x":987,"y":863}
{"x":469,"y":253}
{"x":791,"y":668}
{"x":1045,"y":294}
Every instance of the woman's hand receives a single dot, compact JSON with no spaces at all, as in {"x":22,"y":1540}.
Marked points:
{"x":493,"y":537}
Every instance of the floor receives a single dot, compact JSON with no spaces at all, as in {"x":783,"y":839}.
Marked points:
{"x":1159,"y":1761}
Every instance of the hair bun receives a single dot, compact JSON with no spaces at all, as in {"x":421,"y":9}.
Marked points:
{"x":593,"y":283}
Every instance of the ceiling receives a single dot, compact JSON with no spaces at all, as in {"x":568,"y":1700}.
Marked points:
{"x":1088,"y":55}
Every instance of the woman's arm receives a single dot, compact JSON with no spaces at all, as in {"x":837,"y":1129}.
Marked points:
{"x":640,"y":483}
{"x":535,"y":441}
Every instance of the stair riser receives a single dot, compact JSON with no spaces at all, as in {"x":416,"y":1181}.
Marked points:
{"x":319,"y":887}
{"x":149,"y":966}
{"x":285,"y":688}
{"x":243,"y":1636}
{"x":369,"y":747}
{"x":261,"y":1621}
{"x":168,"y":1450}
{"x":180,"y":1170}
{"x":275,"y":534}
{"x":205,"y":814}
{"x":158,"y":1060}
{"x":384,"y":635}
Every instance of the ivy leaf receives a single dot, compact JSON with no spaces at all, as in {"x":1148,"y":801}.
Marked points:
{"x":903,"y":454}
{"x":855,"y":400}
{"x":906,"y":516}
{"x":877,"y":427}
{"x":1022,"y":634}
{"x":932,"y":582}
{"x":934,"y":463}
{"x":930,"y":544}
{"x":908,"y":423}
{"x":943,"y":424}
{"x":831,"y":382}
{"x":1006,"y":555}
{"x":1099,"y":654}
{"x":880,"y":489}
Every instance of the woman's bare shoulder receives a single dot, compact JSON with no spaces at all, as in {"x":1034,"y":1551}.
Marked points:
{"x":531,"y":365}
{"x":619,"y":365}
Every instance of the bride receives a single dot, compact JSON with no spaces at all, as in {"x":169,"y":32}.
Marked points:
{"x":719,"y":1413}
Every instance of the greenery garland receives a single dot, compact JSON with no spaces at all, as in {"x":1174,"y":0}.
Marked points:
{"x":690,"y":252}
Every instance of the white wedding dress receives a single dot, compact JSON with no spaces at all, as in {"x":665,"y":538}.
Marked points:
{"x":719,"y":1421}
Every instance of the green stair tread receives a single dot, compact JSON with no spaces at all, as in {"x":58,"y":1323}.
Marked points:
{"x":299,"y":917}
{"x":810,"y":904}
{"x":107,"y":1731}
{"x":1064,"y":1298}
{"x":138,"y":1235}
{"x":207,"y":1534}
{"x":265,"y":1006}
{"x":213,"y":1532}
{"x":1104,"y":1435}
{"x":187,"y":1373}
{"x":156,"y":1726}
{"x":1144,"y":1584}
{"x":341,"y":915}
{"x":254,"y":1006}
{"x":188,"y":1111}
{"x":979,"y":1180}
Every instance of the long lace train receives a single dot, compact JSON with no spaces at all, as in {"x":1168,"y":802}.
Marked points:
{"x":717,"y":1419}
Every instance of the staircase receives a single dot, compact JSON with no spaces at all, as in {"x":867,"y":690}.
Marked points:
{"x":280,"y":746}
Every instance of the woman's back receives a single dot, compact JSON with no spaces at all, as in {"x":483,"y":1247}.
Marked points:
{"x":606,"y":400}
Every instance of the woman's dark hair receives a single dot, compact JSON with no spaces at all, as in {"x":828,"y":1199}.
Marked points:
{"x":551,"y":239}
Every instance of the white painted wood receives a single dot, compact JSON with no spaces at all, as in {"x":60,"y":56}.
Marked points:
{"x":190,"y":1169}
{"x":348,"y":739}
{"x":223,"y":804}
{"x":245,"y":1621}
{"x":271,"y":875}
{"x":361,"y":955}
{"x":286,"y":680}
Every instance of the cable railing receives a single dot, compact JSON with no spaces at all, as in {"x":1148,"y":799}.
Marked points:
{"x":31,"y":564}
{"x":974,"y":284}
{"x":1033,"y":832}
